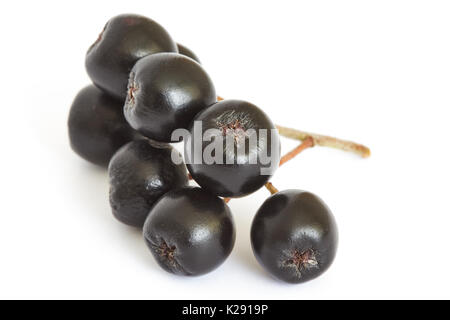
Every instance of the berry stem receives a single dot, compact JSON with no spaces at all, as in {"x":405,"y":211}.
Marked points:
{"x":271,"y":188}
{"x":325,"y":141}
{"x":307,"y":143}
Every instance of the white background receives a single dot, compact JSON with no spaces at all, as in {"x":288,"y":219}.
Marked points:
{"x":377,"y":72}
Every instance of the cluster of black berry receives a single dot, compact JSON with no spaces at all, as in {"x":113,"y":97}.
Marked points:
{"x":146,"y":87}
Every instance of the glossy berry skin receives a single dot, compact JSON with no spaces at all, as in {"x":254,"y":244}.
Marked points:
{"x":97,"y":127}
{"x":294,"y":236}
{"x":187,"y":52}
{"x":232,"y":120}
{"x":190,"y":231}
{"x":165,"y":92}
{"x":125,"y":39}
{"x":139,"y":174}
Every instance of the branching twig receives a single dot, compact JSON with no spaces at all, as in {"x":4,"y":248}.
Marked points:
{"x":309,"y":140}
{"x":307,"y":143}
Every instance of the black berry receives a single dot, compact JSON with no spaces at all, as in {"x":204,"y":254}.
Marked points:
{"x":125,"y":39}
{"x":139,"y":174}
{"x":190,"y":231}
{"x":294,"y":236}
{"x":237,"y":174}
{"x":165,"y":92}
{"x":97,"y":127}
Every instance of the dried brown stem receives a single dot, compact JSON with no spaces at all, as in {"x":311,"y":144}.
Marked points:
{"x":325,"y":141}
